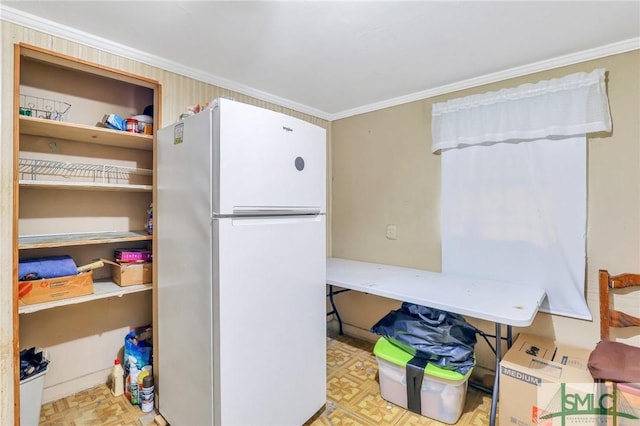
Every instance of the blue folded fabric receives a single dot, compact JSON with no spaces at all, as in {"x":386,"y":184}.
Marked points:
{"x":46,"y":267}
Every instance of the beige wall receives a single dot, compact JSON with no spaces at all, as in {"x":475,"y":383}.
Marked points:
{"x":384,"y":173}
{"x":178,"y":92}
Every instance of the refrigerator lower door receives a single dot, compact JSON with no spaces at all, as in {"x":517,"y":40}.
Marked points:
{"x":269,"y":320}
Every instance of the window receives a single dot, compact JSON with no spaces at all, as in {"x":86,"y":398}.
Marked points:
{"x":514,"y":184}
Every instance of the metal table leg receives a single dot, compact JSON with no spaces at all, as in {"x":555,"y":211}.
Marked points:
{"x":496,"y":380}
{"x":334,"y":310}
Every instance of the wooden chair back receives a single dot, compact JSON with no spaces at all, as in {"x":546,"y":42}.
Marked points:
{"x":609,"y":316}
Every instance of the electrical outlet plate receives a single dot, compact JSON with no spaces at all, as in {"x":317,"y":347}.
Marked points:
{"x":392,"y":232}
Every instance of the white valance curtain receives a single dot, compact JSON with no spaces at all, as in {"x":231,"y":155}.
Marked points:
{"x":514,"y":184}
{"x":573,"y":105}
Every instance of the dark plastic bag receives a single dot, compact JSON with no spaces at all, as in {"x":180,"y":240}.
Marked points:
{"x":138,"y":343}
{"x":31,"y":363}
{"x":444,"y":339}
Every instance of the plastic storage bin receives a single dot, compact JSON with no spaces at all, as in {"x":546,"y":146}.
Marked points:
{"x":442,"y":394}
{"x":31,"y":390}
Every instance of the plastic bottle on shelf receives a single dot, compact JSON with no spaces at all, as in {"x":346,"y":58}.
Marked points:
{"x":133,"y":380}
{"x":117,"y":378}
{"x":127,"y":384}
{"x":149,"y":225}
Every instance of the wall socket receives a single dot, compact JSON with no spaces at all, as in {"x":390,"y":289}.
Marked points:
{"x":392,"y":232}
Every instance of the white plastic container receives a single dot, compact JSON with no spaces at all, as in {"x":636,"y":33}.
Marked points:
{"x":117,"y":378}
{"x":31,"y":390}
{"x":442,"y":394}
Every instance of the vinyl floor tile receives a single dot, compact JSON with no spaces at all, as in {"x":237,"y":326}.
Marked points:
{"x":94,"y":406}
{"x":353,"y":392}
{"x":353,"y":398}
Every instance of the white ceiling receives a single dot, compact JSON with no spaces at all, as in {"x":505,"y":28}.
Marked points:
{"x":336,"y":59}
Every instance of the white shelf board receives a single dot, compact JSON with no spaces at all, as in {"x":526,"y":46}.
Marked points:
{"x":102,"y":289}
{"x":84,"y":133}
{"x":90,"y":186}
{"x":83,"y":238}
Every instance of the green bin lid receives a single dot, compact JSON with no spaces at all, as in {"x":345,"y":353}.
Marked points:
{"x":389,"y":352}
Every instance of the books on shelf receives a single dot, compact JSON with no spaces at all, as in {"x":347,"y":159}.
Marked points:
{"x":132,"y":255}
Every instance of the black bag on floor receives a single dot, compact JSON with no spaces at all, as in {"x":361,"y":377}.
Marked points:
{"x":442,"y":338}
{"x":31,"y":363}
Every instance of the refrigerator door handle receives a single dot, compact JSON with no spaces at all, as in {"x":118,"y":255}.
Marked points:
{"x":267,"y":220}
{"x":272,"y":220}
{"x":253,"y":211}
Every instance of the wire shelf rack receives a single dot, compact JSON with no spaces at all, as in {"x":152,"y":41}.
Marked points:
{"x":49,"y":109}
{"x":34,"y":169}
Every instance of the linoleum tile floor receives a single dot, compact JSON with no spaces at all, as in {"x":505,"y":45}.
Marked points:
{"x":353,"y":398}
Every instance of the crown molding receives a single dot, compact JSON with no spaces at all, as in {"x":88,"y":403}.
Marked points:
{"x":560,"y":61}
{"x":30,"y":21}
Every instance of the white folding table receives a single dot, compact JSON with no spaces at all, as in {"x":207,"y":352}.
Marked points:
{"x":496,"y":301}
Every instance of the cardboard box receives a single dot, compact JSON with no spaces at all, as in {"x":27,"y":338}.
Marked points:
{"x":125,"y":274}
{"x":49,"y":289}
{"x":544,"y":382}
{"x":629,"y":395}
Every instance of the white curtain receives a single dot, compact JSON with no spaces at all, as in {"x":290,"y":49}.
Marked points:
{"x":514,"y":184}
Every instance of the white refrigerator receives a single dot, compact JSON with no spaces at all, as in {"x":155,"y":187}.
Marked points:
{"x":240,"y":222}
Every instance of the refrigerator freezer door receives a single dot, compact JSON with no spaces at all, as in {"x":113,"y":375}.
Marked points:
{"x":266,"y":159}
{"x":269,"y":287}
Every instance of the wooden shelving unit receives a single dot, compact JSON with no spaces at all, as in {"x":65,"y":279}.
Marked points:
{"x":72,"y":180}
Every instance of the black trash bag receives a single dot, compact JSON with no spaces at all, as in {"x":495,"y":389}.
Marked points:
{"x":31,"y":363}
{"x":442,"y":338}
